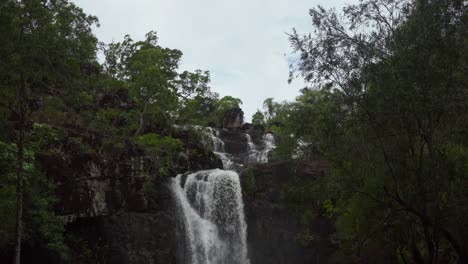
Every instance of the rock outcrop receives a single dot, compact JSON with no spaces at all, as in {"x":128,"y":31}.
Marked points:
{"x":233,"y":119}
{"x":276,"y":234}
{"x":113,"y":208}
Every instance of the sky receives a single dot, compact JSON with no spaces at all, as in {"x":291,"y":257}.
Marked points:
{"x":243,"y":43}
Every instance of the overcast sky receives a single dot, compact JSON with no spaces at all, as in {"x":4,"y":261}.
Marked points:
{"x":243,"y":43}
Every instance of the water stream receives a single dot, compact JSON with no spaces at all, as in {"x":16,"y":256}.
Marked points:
{"x":210,"y":204}
{"x":261,"y":156}
{"x":210,"y":207}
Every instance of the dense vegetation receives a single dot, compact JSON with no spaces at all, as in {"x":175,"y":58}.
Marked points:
{"x":55,"y":97}
{"x":388,"y":104}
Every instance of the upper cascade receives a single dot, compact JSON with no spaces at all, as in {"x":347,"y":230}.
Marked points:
{"x":261,"y":156}
{"x":236,"y":149}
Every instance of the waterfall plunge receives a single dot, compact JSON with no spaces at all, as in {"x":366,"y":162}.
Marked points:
{"x":210,"y":204}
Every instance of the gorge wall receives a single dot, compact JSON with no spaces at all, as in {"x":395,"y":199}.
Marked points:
{"x":277,"y":231}
{"x":117,"y":214}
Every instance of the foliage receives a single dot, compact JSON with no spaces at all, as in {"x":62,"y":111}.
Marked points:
{"x":224,"y":104}
{"x":391,"y":113}
{"x":48,"y":44}
{"x":55,"y":97}
{"x":258,"y":118}
{"x":199,"y":110}
{"x":162,"y":152}
{"x":42,"y":226}
{"x":207,"y":109}
{"x":149,"y":72}
{"x":250,"y":181}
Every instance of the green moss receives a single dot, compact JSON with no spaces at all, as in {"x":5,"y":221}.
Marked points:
{"x":250,"y":186}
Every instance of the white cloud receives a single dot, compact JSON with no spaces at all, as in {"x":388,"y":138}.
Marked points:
{"x":242,"y":43}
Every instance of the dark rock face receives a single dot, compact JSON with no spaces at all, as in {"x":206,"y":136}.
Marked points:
{"x":118,"y":212}
{"x":199,"y":157}
{"x":256,"y":132}
{"x":122,"y":216}
{"x":132,"y":237}
{"x":234,"y":143}
{"x":273,"y":228}
{"x":233,"y":119}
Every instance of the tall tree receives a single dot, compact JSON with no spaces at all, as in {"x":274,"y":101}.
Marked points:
{"x":150,"y":74}
{"x":48,"y":43}
{"x":400,"y":69}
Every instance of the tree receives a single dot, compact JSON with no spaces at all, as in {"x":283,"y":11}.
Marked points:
{"x":48,"y":42}
{"x":199,"y":110}
{"x":269,"y":106}
{"x":258,"y":118}
{"x":224,"y":104}
{"x":397,"y":68}
{"x":193,"y":84}
{"x":149,"y":72}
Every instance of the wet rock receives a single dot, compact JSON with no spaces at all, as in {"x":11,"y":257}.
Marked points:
{"x":256,"y":132}
{"x":246,"y":127}
{"x":235,"y":143}
{"x":197,"y":156}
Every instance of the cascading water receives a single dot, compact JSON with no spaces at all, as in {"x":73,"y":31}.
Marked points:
{"x":211,"y":139}
{"x":210,"y":208}
{"x":261,"y":156}
{"x":250,"y":143}
{"x":210,"y":204}
{"x":218,"y":144}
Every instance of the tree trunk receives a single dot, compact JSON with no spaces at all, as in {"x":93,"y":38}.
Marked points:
{"x":19,"y":194}
{"x":142,"y":120}
{"x":140,"y":126}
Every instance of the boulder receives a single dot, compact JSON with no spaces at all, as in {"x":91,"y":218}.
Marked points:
{"x":233,"y":119}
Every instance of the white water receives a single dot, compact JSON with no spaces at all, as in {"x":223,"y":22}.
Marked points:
{"x":261,"y":156}
{"x":256,"y":154}
{"x":210,"y":204}
{"x":212,"y":140}
{"x":299,"y":151}
{"x":251,"y":145}
{"x":217,"y":143}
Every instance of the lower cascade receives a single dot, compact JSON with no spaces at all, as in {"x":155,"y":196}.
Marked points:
{"x":211,"y":215}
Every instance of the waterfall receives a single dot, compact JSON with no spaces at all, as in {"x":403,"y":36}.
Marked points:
{"x":210,"y":212}
{"x":261,"y":156}
{"x":210,"y":204}
{"x":217,"y":143}
{"x":211,"y":139}
{"x":250,"y":143}
{"x":226,"y":159}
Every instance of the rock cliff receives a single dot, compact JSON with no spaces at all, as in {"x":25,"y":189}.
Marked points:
{"x":113,"y":210}
{"x":115,"y":213}
{"x":277,"y":234}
